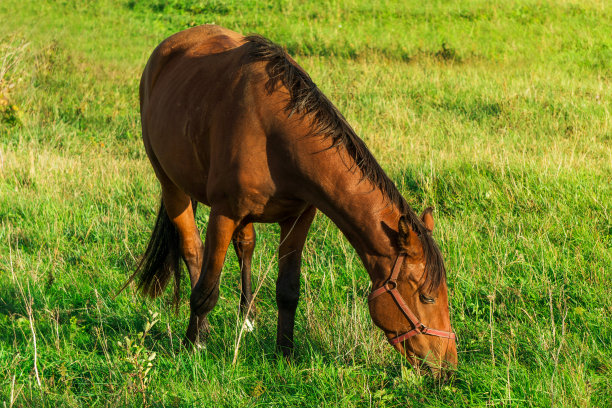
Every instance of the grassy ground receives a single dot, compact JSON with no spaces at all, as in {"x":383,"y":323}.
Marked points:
{"x":497,"y":114}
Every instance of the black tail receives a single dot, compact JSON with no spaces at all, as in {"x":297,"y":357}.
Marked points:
{"x":160,"y":261}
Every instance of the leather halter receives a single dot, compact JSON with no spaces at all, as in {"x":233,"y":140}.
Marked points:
{"x":390,"y":286}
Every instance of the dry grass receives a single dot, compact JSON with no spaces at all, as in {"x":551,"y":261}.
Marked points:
{"x":496,"y":114}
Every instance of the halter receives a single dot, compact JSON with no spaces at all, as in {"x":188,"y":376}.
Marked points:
{"x":390,"y":286}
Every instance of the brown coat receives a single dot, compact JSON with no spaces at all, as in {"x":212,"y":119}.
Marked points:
{"x":234,"y":123}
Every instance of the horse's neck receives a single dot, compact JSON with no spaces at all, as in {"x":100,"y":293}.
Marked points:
{"x":362,"y":212}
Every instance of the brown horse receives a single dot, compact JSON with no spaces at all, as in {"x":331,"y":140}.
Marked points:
{"x":233,"y":122}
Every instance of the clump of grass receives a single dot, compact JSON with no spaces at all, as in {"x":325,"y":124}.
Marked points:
{"x":447,"y":54}
{"x":511,"y":147}
{"x":11,"y":66}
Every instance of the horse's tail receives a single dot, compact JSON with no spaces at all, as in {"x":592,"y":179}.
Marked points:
{"x":160,"y":261}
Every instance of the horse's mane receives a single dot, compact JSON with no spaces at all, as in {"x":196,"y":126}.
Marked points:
{"x":305,"y":98}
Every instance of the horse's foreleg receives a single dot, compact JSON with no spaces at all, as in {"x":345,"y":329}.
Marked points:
{"x":293,"y":237}
{"x":205,"y":293}
{"x":244,"y":245}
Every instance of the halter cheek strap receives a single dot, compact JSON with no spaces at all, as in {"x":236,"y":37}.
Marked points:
{"x":390,"y":287}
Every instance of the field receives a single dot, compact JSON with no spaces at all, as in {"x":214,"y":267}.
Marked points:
{"x":498,"y":114}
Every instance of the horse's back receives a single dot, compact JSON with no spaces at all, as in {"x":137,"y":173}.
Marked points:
{"x":197,"y":41}
{"x":205,"y":124}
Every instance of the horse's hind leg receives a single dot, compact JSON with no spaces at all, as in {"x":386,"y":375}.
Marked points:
{"x":205,"y":293}
{"x":293,"y":237}
{"x":244,"y":245}
{"x":181,"y":212}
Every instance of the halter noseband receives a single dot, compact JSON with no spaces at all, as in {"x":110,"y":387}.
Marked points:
{"x":390,"y":286}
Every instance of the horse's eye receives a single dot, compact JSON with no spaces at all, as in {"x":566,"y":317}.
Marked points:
{"x":427,"y":299}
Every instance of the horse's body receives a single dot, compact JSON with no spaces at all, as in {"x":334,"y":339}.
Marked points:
{"x":236,"y":124}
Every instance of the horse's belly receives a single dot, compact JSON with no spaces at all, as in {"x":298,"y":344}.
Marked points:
{"x":277,"y":210}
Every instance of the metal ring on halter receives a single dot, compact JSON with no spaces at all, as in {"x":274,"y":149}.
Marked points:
{"x":390,"y":285}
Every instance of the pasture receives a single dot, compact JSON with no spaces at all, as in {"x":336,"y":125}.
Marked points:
{"x":497,"y":114}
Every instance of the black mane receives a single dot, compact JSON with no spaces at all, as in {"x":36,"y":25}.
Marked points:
{"x":305,"y":98}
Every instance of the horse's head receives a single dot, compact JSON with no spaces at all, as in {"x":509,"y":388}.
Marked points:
{"x":411,"y":305}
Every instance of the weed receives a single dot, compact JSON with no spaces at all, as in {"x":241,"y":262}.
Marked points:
{"x":139,"y":359}
{"x":511,"y":146}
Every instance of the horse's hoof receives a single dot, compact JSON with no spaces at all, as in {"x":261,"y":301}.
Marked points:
{"x":249,"y":326}
{"x":197,"y":344}
{"x":188,"y":344}
{"x":286,"y":351}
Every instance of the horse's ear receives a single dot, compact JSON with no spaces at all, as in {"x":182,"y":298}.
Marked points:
{"x":427,"y":219}
{"x":407,"y":237}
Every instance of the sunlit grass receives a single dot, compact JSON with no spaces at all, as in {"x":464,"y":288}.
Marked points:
{"x":498,"y":115}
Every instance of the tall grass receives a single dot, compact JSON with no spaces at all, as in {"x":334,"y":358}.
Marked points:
{"x":498,"y":115}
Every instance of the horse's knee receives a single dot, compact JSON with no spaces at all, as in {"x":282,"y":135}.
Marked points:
{"x":202,"y":302}
{"x":287,"y":297}
{"x":288,"y":282}
{"x":245,"y":239}
{"x":248,"y":233}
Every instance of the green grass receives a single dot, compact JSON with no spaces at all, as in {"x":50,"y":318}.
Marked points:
{"x":498,"y":115}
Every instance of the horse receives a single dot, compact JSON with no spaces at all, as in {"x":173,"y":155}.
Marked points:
{"x":233,"y":122}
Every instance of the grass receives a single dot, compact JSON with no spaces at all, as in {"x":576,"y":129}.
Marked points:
{"x":498,"y":115}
